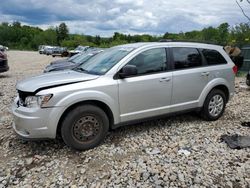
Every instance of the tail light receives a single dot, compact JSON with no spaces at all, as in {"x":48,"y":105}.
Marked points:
{"x":235,"y":69}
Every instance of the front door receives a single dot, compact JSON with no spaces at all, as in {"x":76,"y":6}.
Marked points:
{"x":149,"y":92}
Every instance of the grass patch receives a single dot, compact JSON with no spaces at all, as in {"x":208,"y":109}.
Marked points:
{"x":241,"y":74}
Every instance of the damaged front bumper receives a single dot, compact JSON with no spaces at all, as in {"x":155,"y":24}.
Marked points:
{"x":33,"y":123}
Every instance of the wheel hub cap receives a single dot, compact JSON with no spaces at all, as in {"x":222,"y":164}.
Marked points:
{"x":216,"y":105}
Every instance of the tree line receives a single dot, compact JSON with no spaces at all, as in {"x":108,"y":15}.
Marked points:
{"x":24,"y":37}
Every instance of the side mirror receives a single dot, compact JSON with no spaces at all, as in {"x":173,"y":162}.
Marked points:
{"x":127,"y":71}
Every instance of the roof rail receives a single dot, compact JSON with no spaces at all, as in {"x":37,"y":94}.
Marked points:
{"x":196,"y":41}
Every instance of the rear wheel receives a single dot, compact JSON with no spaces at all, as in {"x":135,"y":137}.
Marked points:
{"x":214,"y":105}
{"x":84,"y":127}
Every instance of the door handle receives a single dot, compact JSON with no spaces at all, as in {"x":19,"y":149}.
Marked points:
{"x":165,"y":79}
{"x":205,"y":74}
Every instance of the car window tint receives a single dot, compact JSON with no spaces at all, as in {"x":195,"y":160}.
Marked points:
{"x":186,"y":58}
{"x":213,"y":57}
{"x":150,"y":61}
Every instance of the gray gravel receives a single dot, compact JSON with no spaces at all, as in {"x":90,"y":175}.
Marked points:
{"x":181,"y":151}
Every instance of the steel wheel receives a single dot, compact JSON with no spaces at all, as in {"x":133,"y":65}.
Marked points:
{"x":216,"y":105}
{"x":86,"y":128}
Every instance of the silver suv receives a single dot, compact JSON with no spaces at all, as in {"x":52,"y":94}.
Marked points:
{"x":122,"y":85}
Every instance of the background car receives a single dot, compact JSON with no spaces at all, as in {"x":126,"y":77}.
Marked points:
{"x":3,"y":62}
{"x":60,"y":51}
{"x":41,"y":49}
{"x":246,"y":54}
{"x":71,"y":63}
{"x":66,"y":59}
{"x":3,"y":48}
{"x":49,"y":50}
{"x":77,"y":50}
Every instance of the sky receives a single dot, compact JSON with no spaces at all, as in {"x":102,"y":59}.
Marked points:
{"x":104,"y":17}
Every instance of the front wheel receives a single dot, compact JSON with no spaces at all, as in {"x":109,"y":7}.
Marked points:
{"x":84,"y":127}
{"x":214,"y":105}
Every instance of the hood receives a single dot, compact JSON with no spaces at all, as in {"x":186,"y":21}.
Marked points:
{"x":58,"y":61}
{"x":53,"y":79}
{"x":59,"y":65}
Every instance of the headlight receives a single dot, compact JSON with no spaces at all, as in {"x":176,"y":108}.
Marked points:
{"x":37,"y":101}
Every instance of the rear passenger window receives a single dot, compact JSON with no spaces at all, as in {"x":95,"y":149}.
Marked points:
{"x":213,"y":57}
{"x":186,"y":58}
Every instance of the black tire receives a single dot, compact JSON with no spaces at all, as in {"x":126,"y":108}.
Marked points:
{"x":84,"y":117}
{"x":248,"y":79}
{"x":205,"y":112}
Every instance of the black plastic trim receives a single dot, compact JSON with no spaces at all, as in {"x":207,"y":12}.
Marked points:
{"x":154,"y":117}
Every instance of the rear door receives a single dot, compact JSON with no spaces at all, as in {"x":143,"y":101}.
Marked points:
{"x":190,"y":76}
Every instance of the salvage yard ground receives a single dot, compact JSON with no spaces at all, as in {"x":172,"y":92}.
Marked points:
{"x":181,"y":151}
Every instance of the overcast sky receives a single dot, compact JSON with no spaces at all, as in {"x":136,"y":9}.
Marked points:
{"x":104,"y":17}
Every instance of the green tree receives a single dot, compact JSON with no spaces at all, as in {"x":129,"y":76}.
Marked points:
{"x":239,"y":34}
{"x":97,"y":40}
{"x":223,"y":32}
{"x":210,"y":34}
{"x":62,"y":32}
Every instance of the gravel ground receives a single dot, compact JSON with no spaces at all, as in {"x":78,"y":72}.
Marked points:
{"x":181,"y":151}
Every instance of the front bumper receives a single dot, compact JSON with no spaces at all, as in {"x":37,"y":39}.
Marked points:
{"x":34,"y":123}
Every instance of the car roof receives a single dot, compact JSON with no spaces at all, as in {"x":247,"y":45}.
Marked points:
{"x":170,"y":44}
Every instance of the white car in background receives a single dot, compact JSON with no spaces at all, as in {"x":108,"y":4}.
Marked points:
{"x":77,"y":50}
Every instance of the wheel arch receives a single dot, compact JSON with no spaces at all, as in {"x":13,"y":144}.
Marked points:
{"x":215,"y":84}
{"x":97,"y":103}
{"x":224,"y":89}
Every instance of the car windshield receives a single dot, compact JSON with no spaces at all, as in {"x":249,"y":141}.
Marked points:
{"x":74,"y":57}
{"x":103,"y":62}
{"x":82,"y":58}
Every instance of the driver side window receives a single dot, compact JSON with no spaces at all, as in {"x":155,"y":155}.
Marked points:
{"x":150,"y":61}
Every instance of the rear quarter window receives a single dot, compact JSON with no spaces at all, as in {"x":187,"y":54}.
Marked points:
{"x":213,"y":57}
